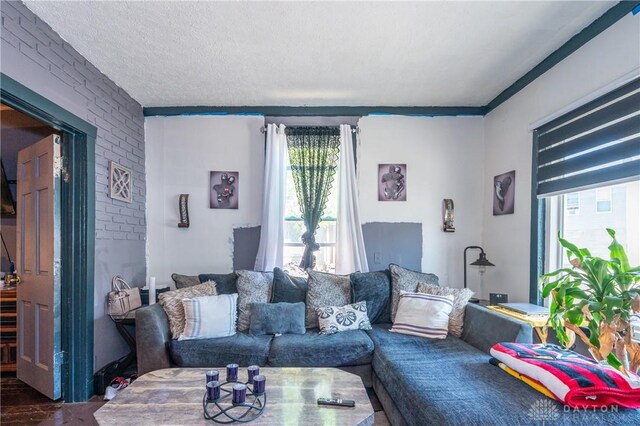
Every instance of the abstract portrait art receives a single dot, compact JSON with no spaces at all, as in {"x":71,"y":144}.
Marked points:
{"x":392,"y":182}
{"x":223,"y":190}
{"x":504,"y":189}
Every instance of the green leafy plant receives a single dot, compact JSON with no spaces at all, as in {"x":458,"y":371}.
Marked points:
{"x":600,"y":294}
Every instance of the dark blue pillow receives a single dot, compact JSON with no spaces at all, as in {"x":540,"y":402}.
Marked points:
{"x":225,"y":283}
{"x":375,"y":289}
{"x":277,"y":318}
{"x":288,"y":289}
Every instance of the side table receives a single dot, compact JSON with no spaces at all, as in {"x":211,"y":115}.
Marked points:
{"x":538,"y":322}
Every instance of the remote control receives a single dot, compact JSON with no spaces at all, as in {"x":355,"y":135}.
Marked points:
{"x":337,"y":402}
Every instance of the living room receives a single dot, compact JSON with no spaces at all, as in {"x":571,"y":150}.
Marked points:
{"x":448,"y":103}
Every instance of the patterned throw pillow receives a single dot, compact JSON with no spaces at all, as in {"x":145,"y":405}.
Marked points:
{"x":423,"y":315}
{"x":325,"y":290}
{"x":207,"y":317}
{"x":253,"y":287}
{"x":403,"y":279}
{"x":461,"y":297}
{"x":334,"y":319}
{"x":171,"y":301}
{"x":184,"y":281}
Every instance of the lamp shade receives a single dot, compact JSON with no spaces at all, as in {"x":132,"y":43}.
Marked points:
{"x":482,"y":261}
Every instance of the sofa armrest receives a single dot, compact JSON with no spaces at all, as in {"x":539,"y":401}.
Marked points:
{"x":483,"y":328}
{"x":152,"y":339}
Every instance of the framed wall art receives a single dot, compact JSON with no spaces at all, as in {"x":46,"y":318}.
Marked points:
{"x":392,"y":182}
{"x":223,"y":190}
{"x":504,"y":189}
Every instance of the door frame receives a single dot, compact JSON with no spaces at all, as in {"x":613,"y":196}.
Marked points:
{"x":77,"y":232}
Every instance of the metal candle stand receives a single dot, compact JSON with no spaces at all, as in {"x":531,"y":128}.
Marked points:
{"x":224,"y":411}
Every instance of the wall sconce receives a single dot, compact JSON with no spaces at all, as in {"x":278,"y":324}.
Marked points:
{"x":447,"y":215}
{"x":482,"y":263}
{"x":183,"y":207}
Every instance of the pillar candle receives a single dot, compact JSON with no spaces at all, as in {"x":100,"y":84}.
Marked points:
{"x":239,"y":393}
{"x":232,"y":372}
{"x":212,"y":376}
{"x":152,"y":290}
{"x":252,"y":371}
{"x":213,"y":390}
{"x":259,"y":384}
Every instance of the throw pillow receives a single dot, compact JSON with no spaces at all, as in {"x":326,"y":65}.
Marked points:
{"x":334,"y":319}
{"x":375,"y":289}
{"x":403,"y":279}
{"x":461,"y":297}
{"x":277,"y":318}
{"x":171,"y":301}
{"x":287,"y":288}
{"x":325,"y":290}
{"x":253,"y":287}
{"x":225,"y":283}
{"x":184,"y":281}
{"x":209,"y":316}
{"x":424,"y":315}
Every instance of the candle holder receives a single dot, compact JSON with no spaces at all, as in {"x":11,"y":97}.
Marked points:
{"x":224,"y":411}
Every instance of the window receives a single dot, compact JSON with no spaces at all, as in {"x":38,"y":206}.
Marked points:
{"x":589,"y":228}
{"x":294,"y":228}
{"x":572,"y":204}
{"x":603,"y":200}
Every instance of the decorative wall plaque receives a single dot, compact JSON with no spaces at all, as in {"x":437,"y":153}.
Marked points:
{"x":120,"y":182}
{"x":183,"y":206}
{"x":447,"y":215}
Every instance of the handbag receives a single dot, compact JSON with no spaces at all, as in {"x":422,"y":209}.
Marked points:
{"x":122,"y":299}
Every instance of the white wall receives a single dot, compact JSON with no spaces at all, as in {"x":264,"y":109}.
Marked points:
{"x":605,"y":59}
{"x":444,"y":157}
{"x":180,"y":153}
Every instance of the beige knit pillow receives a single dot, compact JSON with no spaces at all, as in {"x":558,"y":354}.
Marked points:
{"x":461,"y":297}
{"x":171,"y":302}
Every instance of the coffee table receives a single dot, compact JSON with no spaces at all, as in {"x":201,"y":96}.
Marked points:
{"x":173,"y":396}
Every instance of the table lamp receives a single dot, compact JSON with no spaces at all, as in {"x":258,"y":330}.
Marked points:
{"x":482,"y":263}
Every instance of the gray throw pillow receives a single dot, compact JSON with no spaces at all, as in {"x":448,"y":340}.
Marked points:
{"x":287,"y":288}
{"x":184,"y":281}
{"x":277,"y":318}
{"x":461,"y":297}
{"x":375,"y":289}
{"x":253,"y":287}
{"x":225,"y":283}
{"x":325,"y":290}
{"x":403,"y":279}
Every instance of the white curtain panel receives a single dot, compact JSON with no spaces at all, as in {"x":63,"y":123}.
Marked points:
{"x":350,"y":251}
{"x":270,"y":250}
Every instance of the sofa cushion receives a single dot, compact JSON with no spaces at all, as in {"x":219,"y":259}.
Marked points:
{"x":277,"y":318}
{"x":461,"y":297}
{"x":316,"y":350}
{"x":240,"y":348}
{"x":451,"y":382}
{"x":403,"y":279}
{"x":225,"y":283}
{"x":287,"y":288}
{"x":184,"y":281}
{"x":375,"y":289}
{"x":253,"y":287}
{"x":171,"y":302}
{"x":336,"y":319}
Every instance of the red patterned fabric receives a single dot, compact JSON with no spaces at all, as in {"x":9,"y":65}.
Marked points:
{"x":574,"y":379}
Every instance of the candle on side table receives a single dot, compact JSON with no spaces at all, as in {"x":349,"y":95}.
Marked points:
{"x":252,"y":371}
{"x":239,"y":393}
{"x":259,"y":384}
{"x":152,"y":290}
{"x":213,"y":390}
{"x":232,"y":372}
{"x":212,"y":376}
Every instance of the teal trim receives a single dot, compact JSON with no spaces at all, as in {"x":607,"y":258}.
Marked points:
{"x":288,"y":111}
{"x":538,"y":210}
{"x":77,"y":231}
{"x":609,"y":18}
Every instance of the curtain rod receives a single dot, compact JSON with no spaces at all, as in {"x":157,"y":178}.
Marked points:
{"x":263,"y":129}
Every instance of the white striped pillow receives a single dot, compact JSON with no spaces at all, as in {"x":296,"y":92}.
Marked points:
{"x":424,"y":315}
{"x":209,"y":316}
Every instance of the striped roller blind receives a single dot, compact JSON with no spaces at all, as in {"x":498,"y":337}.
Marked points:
{"x":594,"y":144}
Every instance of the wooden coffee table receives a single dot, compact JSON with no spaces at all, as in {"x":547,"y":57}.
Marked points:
{"x":174,"y":396}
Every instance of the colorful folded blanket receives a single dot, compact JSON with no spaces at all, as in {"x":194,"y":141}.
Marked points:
{"x":573,"y":379}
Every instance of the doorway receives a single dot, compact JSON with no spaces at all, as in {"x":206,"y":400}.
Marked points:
{"x":75,"y":225}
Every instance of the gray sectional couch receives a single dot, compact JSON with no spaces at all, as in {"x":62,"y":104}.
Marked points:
{"x":418,"y":381}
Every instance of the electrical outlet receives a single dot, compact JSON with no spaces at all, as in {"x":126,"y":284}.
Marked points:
{"x":377,"y":257}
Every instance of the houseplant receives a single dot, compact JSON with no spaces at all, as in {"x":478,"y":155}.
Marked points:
{"x":600,"y":294}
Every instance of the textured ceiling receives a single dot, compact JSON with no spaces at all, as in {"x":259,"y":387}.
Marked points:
{"x":316,"y":53}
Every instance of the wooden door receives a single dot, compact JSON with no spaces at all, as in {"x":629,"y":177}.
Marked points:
{"x":39,"y":356}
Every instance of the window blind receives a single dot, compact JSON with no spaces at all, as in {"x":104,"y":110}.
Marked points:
{"x":591,"y":145}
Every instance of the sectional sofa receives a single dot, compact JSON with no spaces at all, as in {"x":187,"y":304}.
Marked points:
{"x":418,"y":381}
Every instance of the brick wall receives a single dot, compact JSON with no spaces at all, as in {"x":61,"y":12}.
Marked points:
{"x":35,"y":56}
{"x":117,"y":116}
